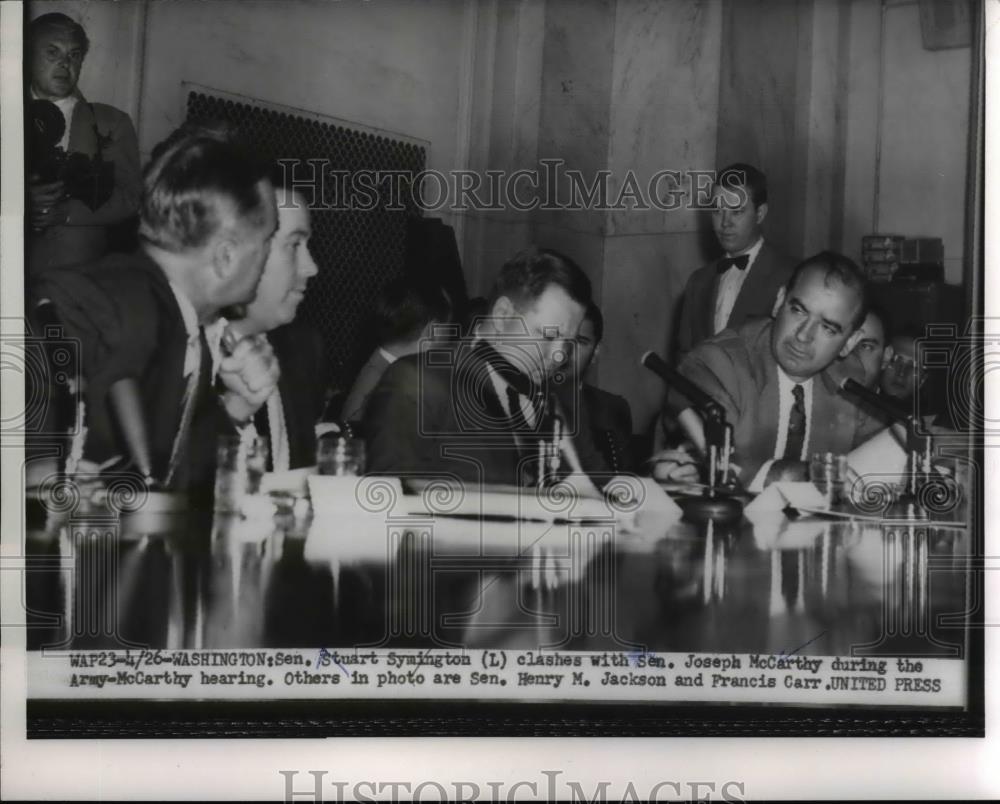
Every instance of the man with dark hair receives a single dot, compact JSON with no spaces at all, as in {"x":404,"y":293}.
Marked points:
{"x":778,"y":380}
{"x":900,"y":377}
{"x":871,"y":346}
{"x":405,"y":316}
{"x":83,"y":158}
{"x":476,"y":409}
{"x":608,"y":415}
{"x":744,"y":281}
{"x":207,"y":218}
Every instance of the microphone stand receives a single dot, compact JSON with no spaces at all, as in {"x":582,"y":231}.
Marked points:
{"x":718,"y":502}
{"x":919,"y":448}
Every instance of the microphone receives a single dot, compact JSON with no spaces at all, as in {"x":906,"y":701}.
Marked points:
{"x":679,"y":382}
{"x":883,"y":404}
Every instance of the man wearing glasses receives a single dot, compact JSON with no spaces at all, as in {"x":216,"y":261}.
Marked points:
{"x":900,"y":378}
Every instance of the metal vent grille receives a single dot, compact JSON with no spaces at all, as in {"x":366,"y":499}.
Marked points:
{"x":357,"y":251}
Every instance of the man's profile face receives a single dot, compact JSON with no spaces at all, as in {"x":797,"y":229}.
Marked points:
{"x":899,"y":374}
{"x":870,"y":348}
{"x":252,"y":240}
{"x":735,"y":219}
{"x":288,"y":268}
{"x":814,"y":324}
{"x":551,"y":321}
{"x":56,"y":59}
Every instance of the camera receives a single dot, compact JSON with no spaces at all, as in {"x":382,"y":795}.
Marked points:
{"x":89,"y":179}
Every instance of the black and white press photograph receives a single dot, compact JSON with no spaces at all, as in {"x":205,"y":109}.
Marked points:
{"x":497,"y":368}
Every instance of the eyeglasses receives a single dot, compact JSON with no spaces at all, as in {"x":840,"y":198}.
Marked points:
{"x":902,"y":364}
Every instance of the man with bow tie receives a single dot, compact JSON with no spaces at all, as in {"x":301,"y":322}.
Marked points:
{"x":70,"y":220}
{"x":477,"y":409}
{"x":745,"y":280}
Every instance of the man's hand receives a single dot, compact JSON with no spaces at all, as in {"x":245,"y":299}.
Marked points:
{"x":250,"y":375}
{"x":46,"y":203}
{"x":675,"y":466}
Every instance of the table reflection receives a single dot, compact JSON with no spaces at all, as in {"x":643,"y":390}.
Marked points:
{"x":194,"y":580}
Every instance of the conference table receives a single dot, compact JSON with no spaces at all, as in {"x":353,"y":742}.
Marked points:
{"x":283,"y":576}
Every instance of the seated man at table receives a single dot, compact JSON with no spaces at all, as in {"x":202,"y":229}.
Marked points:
{"x":206,"y":220}
{"x":609,"y":415}
{"x":406,"y":313}
{"x":871,"y":347}
{"x":900,"y":378}
{"x":288,"y":417}
{"x":778,"y":380}
{"x":476,"y":409}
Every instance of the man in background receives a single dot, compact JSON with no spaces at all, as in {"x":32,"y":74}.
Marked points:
{"x":871,"y":347}
{"x":83,"y":158}
{"x":607,"y":415}
{"x":743,"y":282}
{"x":900,"y":378}
{"x":405,"y":315}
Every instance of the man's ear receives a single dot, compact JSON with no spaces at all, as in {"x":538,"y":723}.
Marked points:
{"x":778,"y":301}
{"x":223,"y":253}
{"x":761,"y":213}
{"x":851,"y":342}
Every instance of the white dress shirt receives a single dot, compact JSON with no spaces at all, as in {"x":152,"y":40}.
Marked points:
{"x":730,"y":284}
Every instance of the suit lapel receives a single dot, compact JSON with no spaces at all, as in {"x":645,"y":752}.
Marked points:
{"x":755,"y":286}
{"x":765,"y":367}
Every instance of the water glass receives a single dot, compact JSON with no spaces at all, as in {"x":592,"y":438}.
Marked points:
{"x":240,"y":465}
{"x":340,"y":456}
{"x":828,"y":472}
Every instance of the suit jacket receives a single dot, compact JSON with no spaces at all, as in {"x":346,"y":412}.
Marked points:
{"x":86,"y":237}
{"x":299,"y":350}
{"x":737,"y":369}
{"x":769,"y":272}
{"x":126,"y":320}
{"x":366,"y":381}
{"x":437,"y":413}
{"x":610,"y":427}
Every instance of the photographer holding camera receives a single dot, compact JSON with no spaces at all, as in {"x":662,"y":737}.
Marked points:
{"x":83,"y":158}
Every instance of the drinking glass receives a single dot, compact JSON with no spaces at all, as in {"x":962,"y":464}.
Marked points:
{"x":828,"y":471}
{"x":240,"y":464}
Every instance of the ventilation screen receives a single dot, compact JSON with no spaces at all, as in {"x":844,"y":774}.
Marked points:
{"x":357,"y":251}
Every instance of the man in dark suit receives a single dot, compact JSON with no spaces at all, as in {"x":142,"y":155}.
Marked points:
{"x":477,"y":409}
{"x":778,"y":381}
{"x":288,"y":417}
{"x":206,"y":221}
{"x":744,"y":281}
{"x":65,"y":229}
{"x":608,"y":415}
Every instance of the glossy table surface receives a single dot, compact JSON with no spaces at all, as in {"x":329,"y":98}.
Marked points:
{"x":821,"y":586}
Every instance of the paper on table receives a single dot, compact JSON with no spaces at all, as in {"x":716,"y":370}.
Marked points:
{"x":881,"y":455}
{"x":778,"y":496}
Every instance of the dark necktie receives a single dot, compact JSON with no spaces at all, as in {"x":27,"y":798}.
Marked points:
{"x":198,"y":389}
{"x":726,"y":263}
{"x":796,"y":426}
